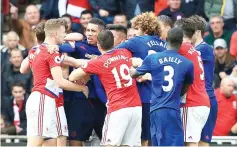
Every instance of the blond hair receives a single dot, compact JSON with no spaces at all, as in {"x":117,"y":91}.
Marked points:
{"x":147,"y":22}
{"x":52,"y":25}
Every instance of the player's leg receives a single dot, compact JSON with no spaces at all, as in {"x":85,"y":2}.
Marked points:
{"x":155,"y":128}
{"x":146,"y":134}
{"x":194,"y":119}
{"x":208,"y":129}
{"x":115,"y":126}
{"x":61,"y":126}
{"x":81,"y":121}
{"x":49,"y":142}
{"x":132,"y":136}
{"x":34,"y":115}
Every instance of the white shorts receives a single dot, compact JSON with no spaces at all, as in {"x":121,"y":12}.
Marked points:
{"x":123,"y":127}
{"x":194,"y":119}
{"x":43,"y":118}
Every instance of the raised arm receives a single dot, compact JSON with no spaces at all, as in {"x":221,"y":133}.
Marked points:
{"x":25,"y":66}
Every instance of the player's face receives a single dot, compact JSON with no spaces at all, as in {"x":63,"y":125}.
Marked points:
{"x":220,"y":52}
{"x":121,"y":20}
{"x":118,"y":37}
{"x":18,"y":93}
{"x":216,"y":25}
{"x":164,"y":30}
{"x":85,"y":18}
{"x":131,"y":33}
{"x":61,"y":33}
{"x":16,"y":58}
{"x":92,"y":32}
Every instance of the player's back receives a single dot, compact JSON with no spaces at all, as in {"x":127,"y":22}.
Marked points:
{"x":196,"y":94}
{"x":169,"y":72}
{"x":208,"y":58}
{"x":40,"y":66}
{"x":120,"y":88}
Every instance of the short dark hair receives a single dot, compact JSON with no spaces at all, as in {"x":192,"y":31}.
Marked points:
{"x":18,"y":84}
{"x":187,"y":25}
{"x":87,"y":12}
{"x":117,"y":27}
{"x":98,"y":22}
{"x":175,"y":36}
{"x":15,"y":49}
{"x":199,"y":22}
{"x":106,"y":39}
{"x":39,"y":32}
{"x":166,"y":20}
{"x":67,"y":15}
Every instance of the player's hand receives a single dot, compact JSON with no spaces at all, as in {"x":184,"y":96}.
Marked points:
{"x":103,"y":13}
{"x":52,"y":48}
{"x":136,"y":62}
{"x":73,"y":37}
{"x":144,"y":78}
{"x":85,"y":91}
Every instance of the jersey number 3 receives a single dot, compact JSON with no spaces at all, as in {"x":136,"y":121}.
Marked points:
{"x":124,"y":73}
{"x":169,"y":78}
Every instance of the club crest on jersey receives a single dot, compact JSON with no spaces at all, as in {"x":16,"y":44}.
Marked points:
{"x":58,"y":59}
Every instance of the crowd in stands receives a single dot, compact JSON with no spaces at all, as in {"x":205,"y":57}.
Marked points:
{"x":19,"y":18}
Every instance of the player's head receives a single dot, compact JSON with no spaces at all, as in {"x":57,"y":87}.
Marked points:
{"x":18,"y":91}
{"x":165,"y":25}
{"x":119,"y":32}
{"x":93,"y":28}
{"x":174,"y":38}
{"x":131,"y":33}
{"x":187,"y":26}
{"x":39,"y":32}
{"x":146,"y":24}
{"x":200,"y":25}
{"x":105,"y":40}
{"x":68,"y":19}
{"x":55,"y":30}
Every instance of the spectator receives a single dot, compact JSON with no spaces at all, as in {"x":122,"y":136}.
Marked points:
{"x":68,"y":18}
{"x":12,"y":42}
{"x":9,"y":130}
{"x":193,"y":7}
{"x":217,"y":31}
{"x":119,"y":33}
{"x":144,"y":6}
{"x":14,"y":110}
{"x":120,"y":19}
{"x":224,"y":62}
{"x":131,"y":33}
{"x":86,"y":16}
{"x":74,"y":8}
{"x":173,"y":10}
{"x":24,"y":27}
{"x":12,"y":74}
{"x":233,"y":45}
{"x":225,"y":8}
{"x":227,"y":108}
{"x":165,"y":25}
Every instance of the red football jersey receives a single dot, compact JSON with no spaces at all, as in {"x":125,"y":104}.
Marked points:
{"x":41,"y":66}
{"x":196,"y":94}
{"x":113,"y":71}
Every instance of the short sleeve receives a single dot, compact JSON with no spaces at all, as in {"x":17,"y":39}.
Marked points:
{"x":146,"y":66}
{"x":93,"y":67}
{"x":55,"y":60}
{"x":189,"y":74}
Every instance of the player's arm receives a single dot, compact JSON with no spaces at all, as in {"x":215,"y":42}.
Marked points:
{"x":70,"y":61}
{"x":143,"y":69}
{"x":100,"y":91}
{"x":65,"y":84}
{"x":74,"y":37}
{"x":77,"y":74}
{"x":25,"y":66}
{"x":131,"y":45}
{"x":188,"y":79}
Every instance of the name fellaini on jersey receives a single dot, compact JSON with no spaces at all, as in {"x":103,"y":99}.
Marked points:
{"x":152,"y":43}
{"x":170,"y":59}
{"x":115,"y":58}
